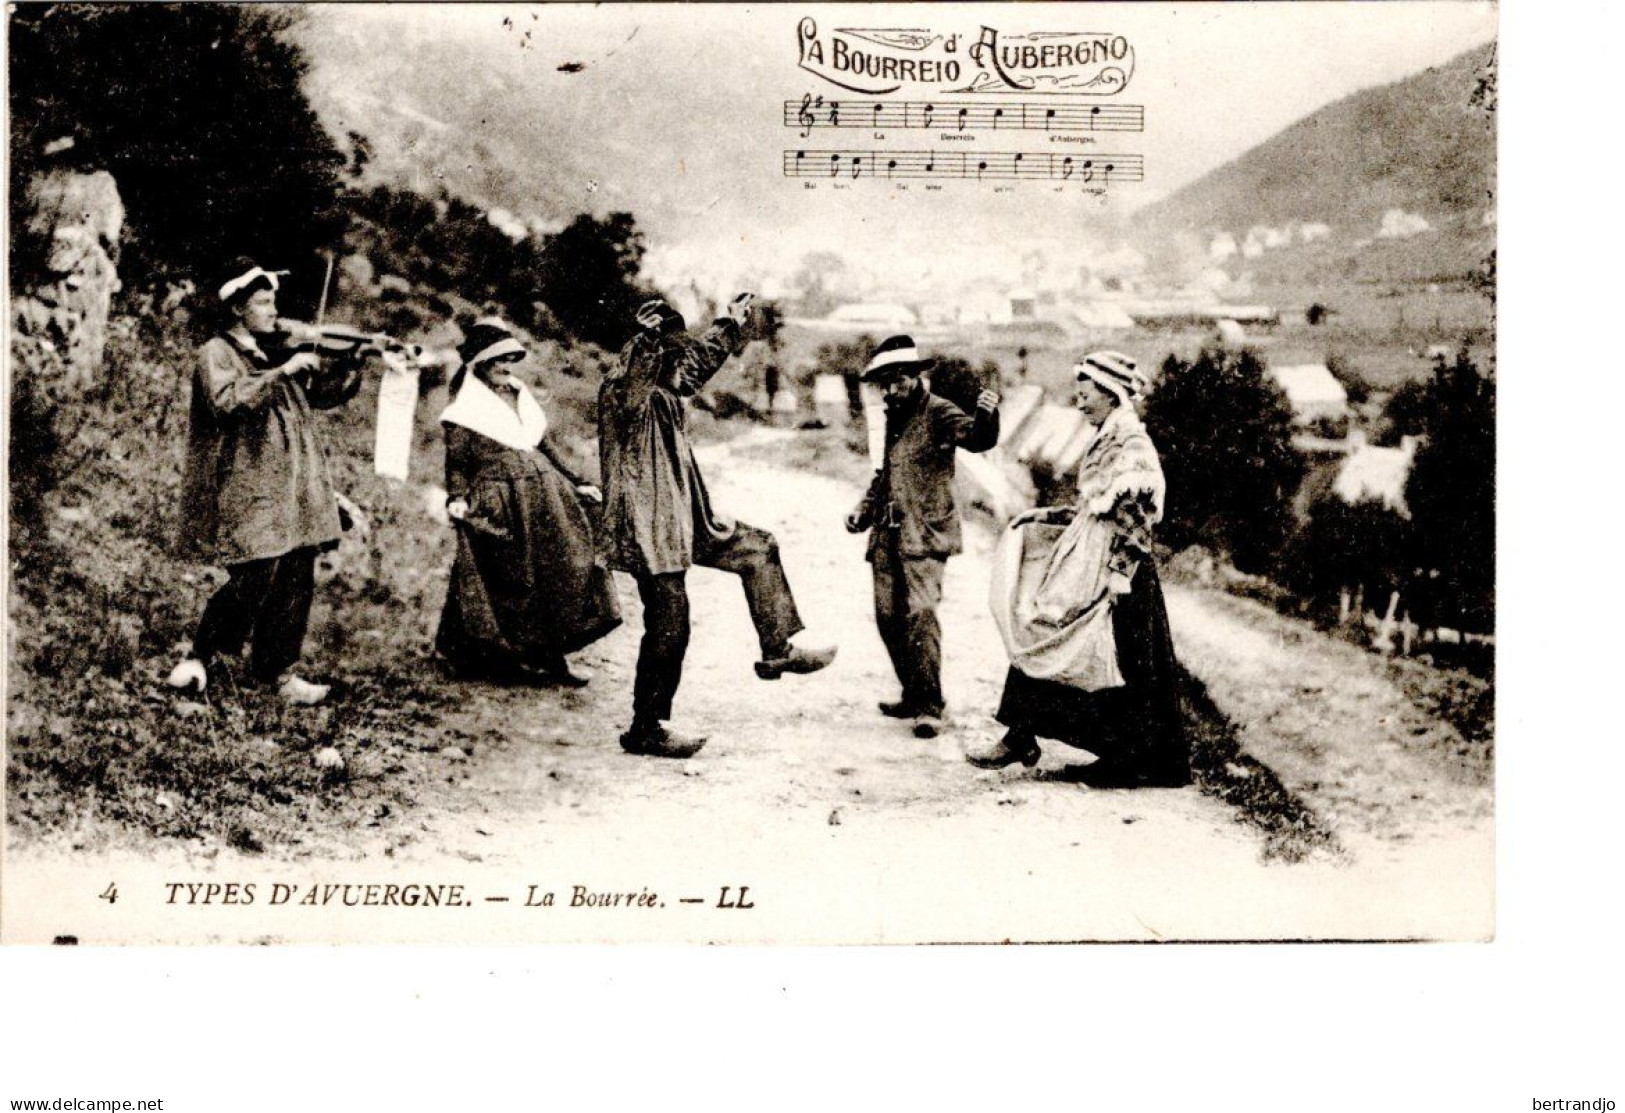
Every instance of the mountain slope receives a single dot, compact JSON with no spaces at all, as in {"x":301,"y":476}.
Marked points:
{"x":1421,"y":146}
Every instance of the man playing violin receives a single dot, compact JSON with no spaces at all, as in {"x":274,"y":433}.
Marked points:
{"x":257,"y":497}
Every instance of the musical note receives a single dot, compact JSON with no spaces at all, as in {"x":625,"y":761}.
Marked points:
{"x":1050,"y":115}
{"x":988,"y":166}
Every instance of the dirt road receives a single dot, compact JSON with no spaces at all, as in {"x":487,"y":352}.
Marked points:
{"x":804,"y":774}
{"x":846,"y":828}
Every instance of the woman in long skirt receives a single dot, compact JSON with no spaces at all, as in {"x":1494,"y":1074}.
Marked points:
{"x":527,"y":587}
{"x":1081,"y":608}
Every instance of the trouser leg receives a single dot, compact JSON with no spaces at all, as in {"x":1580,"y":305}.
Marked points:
{"x":753,"y":555}
{"x":229,"y":616}
{"x":284,"y":613}
{"x":665,"y":642}
{"x":922,"y":635}
{"x":890,"y":609}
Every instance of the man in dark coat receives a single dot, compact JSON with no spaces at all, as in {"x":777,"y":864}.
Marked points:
{"x":658,"y":518}
{"x":914,"y":522}
{"x":257,"y":497}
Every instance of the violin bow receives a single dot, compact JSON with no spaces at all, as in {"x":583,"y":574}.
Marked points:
{"x":327,"y":280}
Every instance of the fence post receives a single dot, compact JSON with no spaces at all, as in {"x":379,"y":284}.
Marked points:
{"x":1343,"y":606}
{"x":1384,"y":640}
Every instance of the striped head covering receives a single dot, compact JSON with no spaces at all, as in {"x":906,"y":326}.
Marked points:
{"x":1114,"y":372}
{"x":489,"y":338}
{"x":893,"y":356}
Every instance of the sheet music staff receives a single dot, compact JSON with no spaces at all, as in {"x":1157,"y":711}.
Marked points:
{"x":1102,"y":169}
{"x":959,"y":115}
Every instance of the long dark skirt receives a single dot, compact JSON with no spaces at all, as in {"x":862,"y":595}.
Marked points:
{"x":527,"y":586}
{"x":1138,"y":727}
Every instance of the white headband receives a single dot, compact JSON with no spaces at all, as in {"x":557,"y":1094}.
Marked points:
{"x":248,"y":277}
{"x":896,"y":355}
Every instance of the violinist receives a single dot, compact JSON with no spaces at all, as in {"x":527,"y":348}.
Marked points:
{"x":256,"y":496}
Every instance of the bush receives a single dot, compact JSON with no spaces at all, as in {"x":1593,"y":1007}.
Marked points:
{"x":1349,"y":546}
{"x":196,"y":110}
{"x":1224,"y":432}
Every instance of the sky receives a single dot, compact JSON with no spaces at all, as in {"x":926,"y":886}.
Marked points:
{"x":675,"y":112}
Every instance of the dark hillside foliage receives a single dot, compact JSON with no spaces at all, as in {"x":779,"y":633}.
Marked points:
{"x":1224,"y":432}
{"x":1451,"y":493}
{"x":196,"y":110}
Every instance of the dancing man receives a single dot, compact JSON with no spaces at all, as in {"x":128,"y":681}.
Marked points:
{"x":914,"y":522}
{"x":658,"y":518}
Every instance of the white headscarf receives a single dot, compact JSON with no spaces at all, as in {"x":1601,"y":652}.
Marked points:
{"x":478,"y":408}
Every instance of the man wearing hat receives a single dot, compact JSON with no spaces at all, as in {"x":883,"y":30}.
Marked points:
{"x":257,"y":497}
{"x":658,"y":518}
{"x":914,"y":522}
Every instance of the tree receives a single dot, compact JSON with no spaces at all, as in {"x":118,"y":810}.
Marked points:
{"x":197,"y":111}
{"x":812,"y":282}
{"x":587,"y":275}
{"x":1451,"y":491}
{"x":1224,"y":432}
{"x":955,"y":379}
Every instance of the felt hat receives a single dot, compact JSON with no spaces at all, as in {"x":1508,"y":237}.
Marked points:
{"x":894,"y":356}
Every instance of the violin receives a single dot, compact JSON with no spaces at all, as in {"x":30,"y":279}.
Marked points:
{"x":337,"y":340}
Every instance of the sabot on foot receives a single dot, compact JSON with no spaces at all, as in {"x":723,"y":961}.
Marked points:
{"x":187,"y":675}
{"x":302,"y":693}
{"x":1008,"y":752}
{"x":661,"y":742}
{"x":797,"y":660}
{"x":929,"y":726}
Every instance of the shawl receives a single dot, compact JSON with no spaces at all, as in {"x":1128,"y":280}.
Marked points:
{"x":1053,"y":588}
{"x":478,"y":408}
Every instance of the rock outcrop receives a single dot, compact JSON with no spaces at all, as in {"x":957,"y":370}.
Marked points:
{"x":74,"y":221}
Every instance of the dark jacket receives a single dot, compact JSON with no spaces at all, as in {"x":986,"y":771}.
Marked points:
{"x":654,"y":499}
{"x":256,"y":482}
{"x":526,"y":584}
{"x":913,"y":493}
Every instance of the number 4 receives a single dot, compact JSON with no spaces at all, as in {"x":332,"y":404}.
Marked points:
{"x":110,"y":894}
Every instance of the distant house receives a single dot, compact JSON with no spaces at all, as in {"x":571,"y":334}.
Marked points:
{"x":1370,"y":472}
{"x":1230,"y":334}
{"x":1101,"y":316}
{"x":1313,"y":391}
{"x":1023,"y":305}
{"x":875,"y":315}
